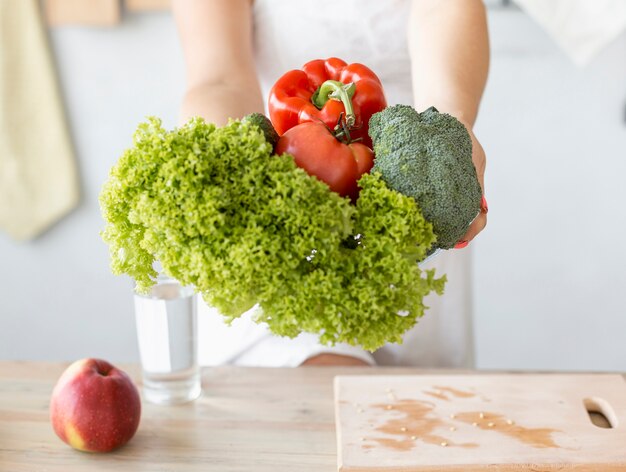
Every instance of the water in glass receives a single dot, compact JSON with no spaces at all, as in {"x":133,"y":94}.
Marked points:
{"x":166,"y":331}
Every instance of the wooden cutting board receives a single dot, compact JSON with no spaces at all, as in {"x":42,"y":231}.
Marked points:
{"x":474,"y":423}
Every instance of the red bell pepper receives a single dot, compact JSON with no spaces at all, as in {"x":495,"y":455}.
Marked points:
{"x":337,"y":162}
{"x":322,"y":91}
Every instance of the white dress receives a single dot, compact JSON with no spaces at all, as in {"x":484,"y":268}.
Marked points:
{"x":288,"y":33}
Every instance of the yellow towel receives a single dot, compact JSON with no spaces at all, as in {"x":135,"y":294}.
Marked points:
{"x":38,"y":178}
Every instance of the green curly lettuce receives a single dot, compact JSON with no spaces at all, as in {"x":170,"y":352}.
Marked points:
{"x":221,"y":213}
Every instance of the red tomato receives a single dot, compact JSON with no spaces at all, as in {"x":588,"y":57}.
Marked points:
{"x":316,"y":150}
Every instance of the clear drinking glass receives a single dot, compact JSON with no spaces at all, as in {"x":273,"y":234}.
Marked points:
{"x":167,"y":335}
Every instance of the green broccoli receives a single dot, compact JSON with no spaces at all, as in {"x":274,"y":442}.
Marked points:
{"x":265,"y":125}
{"x":428,"y":156}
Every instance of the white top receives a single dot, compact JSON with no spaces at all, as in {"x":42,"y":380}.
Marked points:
{"x":287,"y":34}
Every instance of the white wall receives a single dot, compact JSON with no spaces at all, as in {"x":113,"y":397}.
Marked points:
{"x":548,"y":271}
{"x":58,"y":297}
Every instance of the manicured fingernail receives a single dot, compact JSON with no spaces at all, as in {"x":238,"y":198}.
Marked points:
{"x":483,"y":205}
{"x":461,"y":244}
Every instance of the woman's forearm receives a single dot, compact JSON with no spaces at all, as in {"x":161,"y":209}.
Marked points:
{"x":216,"y":39}
{"x":449,"y":47}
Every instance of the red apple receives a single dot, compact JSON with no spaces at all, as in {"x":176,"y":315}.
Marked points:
{"x":95,"y":407}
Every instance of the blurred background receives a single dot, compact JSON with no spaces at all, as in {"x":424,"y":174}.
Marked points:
{"x":549,"y":277}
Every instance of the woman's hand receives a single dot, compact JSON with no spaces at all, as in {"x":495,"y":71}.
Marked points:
{"x":479,"y":159}
{"x":449,"y":48}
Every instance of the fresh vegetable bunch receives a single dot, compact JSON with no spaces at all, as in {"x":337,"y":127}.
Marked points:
{"x":323,"y":110}
{"x":286,"y":213}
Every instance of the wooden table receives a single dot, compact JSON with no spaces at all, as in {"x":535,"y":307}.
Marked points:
{"x":248,"y":419}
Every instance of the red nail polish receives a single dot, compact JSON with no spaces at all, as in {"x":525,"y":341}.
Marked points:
{"x":483,"y":205}
{"x":461,"y":244}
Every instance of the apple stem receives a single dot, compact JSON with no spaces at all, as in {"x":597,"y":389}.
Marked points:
{"x":102,"y":369}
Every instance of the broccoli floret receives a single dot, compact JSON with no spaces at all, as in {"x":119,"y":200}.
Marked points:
{"x":428,"y":156}
{"x":265,"y":125}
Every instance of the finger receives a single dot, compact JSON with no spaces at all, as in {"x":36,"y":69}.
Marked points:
{"x":474,"y":230}
{"x":476,"y":227}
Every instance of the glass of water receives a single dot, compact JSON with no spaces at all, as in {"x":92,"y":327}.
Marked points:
{"x":166,"y":320}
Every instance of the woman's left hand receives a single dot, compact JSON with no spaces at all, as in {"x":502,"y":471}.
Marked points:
{"x":479,"y":223}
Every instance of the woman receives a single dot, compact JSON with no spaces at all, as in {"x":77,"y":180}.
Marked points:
{"x":426,"y":53}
